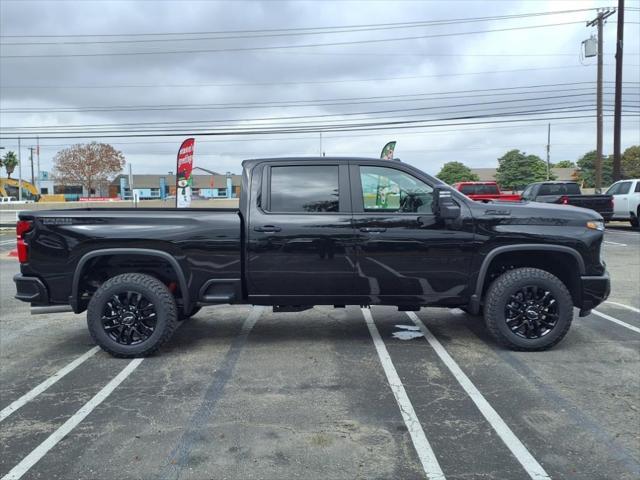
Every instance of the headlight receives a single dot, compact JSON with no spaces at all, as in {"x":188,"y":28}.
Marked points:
{"x":595,"y":225}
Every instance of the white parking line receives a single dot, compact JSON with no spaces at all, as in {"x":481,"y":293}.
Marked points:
{"x":628,"y":307}
{"x":513,"y":443}
{"x":615,"y":243}
{"x":41,"y":450}
{"x":615,"y":320}
{"x":33,"y":393}
{"x":428,"y":459}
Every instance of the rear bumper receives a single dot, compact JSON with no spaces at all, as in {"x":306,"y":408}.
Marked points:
{"x":606,"y":215}
{"x":595,"y":290}
{"x":31,"y":289}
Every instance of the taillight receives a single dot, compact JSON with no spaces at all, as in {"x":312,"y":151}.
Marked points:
{"x":564,"y":200}
{"x":22,"y":227}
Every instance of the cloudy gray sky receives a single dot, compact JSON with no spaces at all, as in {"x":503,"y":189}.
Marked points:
{"x":238,"y":71}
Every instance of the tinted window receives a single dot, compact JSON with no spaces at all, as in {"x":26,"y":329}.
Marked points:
{"x":624,"y":188}
{"x":479,"y":189}
{"x":312,"y":188}
{"x":559,"y":189}
{"x":390,"y":190}
{"x":637,"y":186}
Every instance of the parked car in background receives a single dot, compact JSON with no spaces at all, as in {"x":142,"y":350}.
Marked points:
{"x":485,"y":192}
{"x":626,"y":200}
{"x":568,"y":193}
{"x":13,"y":200}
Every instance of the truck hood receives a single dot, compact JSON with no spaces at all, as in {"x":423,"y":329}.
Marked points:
{"x":534,"y":213}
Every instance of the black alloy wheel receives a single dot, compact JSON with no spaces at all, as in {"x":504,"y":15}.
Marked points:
{"x":532,"y":312}
{"x":132,"y":315}
{"x":129,"y":318}
{"x":528,"y":309}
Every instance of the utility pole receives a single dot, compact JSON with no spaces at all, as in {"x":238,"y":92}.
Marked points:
{"x":320,"y":143}
{"x":599,"y":22}
{"x":33,"y":178}
{"x":617,"y":114}
{"x":19,"y":171}
{"x":38,"y":156}
{"x":549,"y":152}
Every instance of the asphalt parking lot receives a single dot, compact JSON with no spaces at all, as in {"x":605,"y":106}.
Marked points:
{"x":243,"y":393}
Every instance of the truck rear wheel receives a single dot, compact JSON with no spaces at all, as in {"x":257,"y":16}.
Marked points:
{"x":528,"y":309}
{"x":132,"y":315}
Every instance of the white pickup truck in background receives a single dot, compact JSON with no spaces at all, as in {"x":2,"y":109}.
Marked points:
{"x":626,"y":200}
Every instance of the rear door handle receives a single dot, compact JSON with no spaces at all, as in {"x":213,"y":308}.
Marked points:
{"x":267,"y":228}
{"x":373,"y":229}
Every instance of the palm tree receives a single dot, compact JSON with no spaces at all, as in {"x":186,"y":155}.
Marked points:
{"x":10,"y":162}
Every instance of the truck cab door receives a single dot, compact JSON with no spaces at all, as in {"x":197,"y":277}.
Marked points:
{"x":405,"y":254}
{"x":300,"y":236}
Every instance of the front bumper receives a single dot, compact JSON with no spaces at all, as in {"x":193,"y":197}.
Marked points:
{"x":595,"y":290}
{"x":31,"y":289}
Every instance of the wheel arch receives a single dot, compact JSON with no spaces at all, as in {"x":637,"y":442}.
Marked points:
{"x":508,"y":251}
{"x":116,"y":252}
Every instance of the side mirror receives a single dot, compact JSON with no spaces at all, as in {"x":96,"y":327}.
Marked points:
{"x":445,"y":207}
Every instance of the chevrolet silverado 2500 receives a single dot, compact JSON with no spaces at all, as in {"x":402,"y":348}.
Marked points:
{"x":317,"y":231}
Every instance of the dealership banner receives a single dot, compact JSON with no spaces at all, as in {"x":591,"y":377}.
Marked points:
{"x":184,"y":180}
{"x":387,"y":151}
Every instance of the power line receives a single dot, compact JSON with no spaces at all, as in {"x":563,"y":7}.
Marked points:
{"x":417,"y":23}
{"x":303,"y":121}
{"x":333,"y":128}
{"x":214,"y":106}
{"x":312,"y":82}
{"x":281,"y":47}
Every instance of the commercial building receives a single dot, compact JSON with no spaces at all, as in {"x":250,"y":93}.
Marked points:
{"x":153,"y":187}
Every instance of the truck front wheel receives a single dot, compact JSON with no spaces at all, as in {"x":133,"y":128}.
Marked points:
{"x":528,"y":309}
{"x":132,"y":315}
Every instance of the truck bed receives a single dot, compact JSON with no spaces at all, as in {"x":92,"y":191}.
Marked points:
{"x":206,"y":243}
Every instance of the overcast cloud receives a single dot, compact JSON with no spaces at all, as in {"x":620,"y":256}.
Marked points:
{"x":548,"y":55}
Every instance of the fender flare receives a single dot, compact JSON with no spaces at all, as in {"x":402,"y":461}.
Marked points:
{"x":184,"y":289}
{"x":474,"y":303}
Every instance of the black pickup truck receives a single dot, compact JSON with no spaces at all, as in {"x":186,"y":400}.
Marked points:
{"x":568,"y":193}
{"x":316,"y":231}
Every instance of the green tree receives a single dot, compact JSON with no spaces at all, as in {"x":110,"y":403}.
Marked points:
{"x":587,"y":171}
{"x":564,"y":164}
{"x":453,"y":172}
{"x":631,"y":162}
{"x":517,"y":169}
{"x":10,"y":161}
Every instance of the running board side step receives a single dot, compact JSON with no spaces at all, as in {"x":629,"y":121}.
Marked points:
{"x":51,"y":309}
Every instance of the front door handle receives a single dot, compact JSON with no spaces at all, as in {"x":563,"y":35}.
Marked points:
{"x":267,"y":229}
{"x":373,"y":229}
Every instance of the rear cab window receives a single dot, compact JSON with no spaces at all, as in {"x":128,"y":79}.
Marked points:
{"x":559,"y":189}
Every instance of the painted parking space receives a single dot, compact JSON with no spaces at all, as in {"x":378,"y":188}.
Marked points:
{"x":246,"y":393}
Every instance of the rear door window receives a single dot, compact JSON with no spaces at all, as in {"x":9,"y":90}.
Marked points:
{"x":304,"y":189}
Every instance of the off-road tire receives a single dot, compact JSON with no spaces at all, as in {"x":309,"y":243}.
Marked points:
{"x":635,"y":221}
{"x":501,"y":290}
{"x":152,"y":289}
{"x":182,"y":317}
